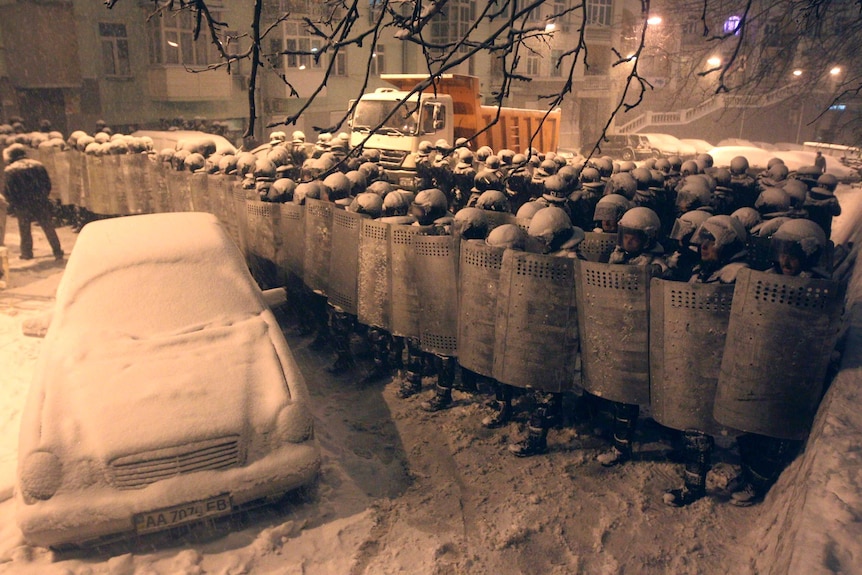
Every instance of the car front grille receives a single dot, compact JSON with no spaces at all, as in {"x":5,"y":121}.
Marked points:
{"x":141,"y":469}
{"x":392,"y":158}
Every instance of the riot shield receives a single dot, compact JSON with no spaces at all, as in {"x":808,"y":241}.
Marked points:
{"x":318,"y":245}
{"x":688,"y":327}
{"x":499,"y":218}
{"x":263,"y":239}
{"x":160,"y":200}
{"x":199,"y":192}
{"x":45,"y":155}
{"x":241,"y":218}
{"x":291,"y":253}
{"x":759,"y":253}
{"x":374,"y":283}
{"x":215,"y":198}
{"x":405,"y":295}
{"x":536,"y":344}
{"x":137,"y":183}
{"x":597,"y":246}
{"x":779,"y":341}
{"x":179,"y":190}
{"x":77,"y":178}
{"x":479,"y":280}
{"x":344,"y":260}
{"x":614,"y":326}
{"x":97,"y":193}
{"x":436,"y":275}
{"x":118,"y":184}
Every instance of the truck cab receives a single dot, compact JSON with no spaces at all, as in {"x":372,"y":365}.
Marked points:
{"x":379,"y":123}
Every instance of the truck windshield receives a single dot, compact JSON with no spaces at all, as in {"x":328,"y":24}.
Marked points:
{"x":371,"y":113}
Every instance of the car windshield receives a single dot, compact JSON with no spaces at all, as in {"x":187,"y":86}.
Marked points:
{"x":159,"y":297}
{"x":372,"y":113}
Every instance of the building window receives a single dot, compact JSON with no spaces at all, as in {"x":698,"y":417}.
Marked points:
{"x":533,"y":65}
{"x":171,"y":40}
{"x":378,"y":61}
{"x":340,"y":66}
{"x":562,"y":18}
{"x":599,"y":12}
{"x":300,"y":47}
{"x":453,"y":23}
{"x":115,"y":49}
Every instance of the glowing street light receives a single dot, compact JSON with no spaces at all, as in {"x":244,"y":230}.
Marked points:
{"x":714,"y":62}
{"x":550,"y":27}
{"x":797,"y":72}
{"x":172,"y":44}
{"x":835,"y":71}
{"x":654,"y":20}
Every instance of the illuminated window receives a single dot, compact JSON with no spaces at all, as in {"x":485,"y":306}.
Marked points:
{"x":115,"y":49}
{"x":731,"y":25}
{"x":599,"y":12}
{"x":171,"y":40}
{"x":300,"y":47}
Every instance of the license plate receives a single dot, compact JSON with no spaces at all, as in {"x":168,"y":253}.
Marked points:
{"x":180,"y":514}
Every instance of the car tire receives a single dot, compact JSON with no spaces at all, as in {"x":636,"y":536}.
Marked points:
{"x":628,"y":155}
{"x":656,"y":154}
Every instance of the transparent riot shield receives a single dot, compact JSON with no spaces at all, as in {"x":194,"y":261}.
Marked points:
{"x":45,"y":155}
{"x":264,"y":235}
{"x":199,"y":192}
{"x":759,"y":253}
{"x":688,"y":328}
{"x":479,"y":281}
{"x":136,"y":182}
{"x":597,"y":246}
{"x":374,"y":283}
{"x":405,"y":294}
{"x":613,"y":301}
{"x":318,"y":245}
{"x":291,"y":254}
{"x":536,"y":344}
{"x":160,"y":200}
{"x":344,"y":260}
{"x":77,"y":177}
{"x":97,"y":193}
{"x":118,"y":185}
{"x":436,"y":275}
{"x":179,"y":190}
{"x":241,"y":218}
{"x":779,"y":341}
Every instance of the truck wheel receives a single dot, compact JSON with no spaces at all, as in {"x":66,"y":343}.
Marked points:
{"x":628,"y":155}
{"x":656,"y":154}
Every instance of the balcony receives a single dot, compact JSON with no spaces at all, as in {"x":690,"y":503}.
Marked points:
{"x":176,"y":84}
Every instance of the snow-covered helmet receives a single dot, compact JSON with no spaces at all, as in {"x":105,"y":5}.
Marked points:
{"x":611,"y":207}
{"x":772,"y":200}
{"x":748,"y":216}
{"x":738,"y":165}
{"x":727,"y":232}
{"x":429,"y":205}
{"x":282,"y":190}
{"x":358,"y":182}
{"x":623,"y":184}
{"x":827,"y":181}
{"x":396,"y":203}
{"x":551,"y":229}
{"x":507,"y":236}
{"x":528,"y":210}
{"x":194,"y":162}
{"x":643,"y":177}
{"x":590,"y":174}
{"x":801,"y":238}
{"x":493,"y":201}
{"x":367,"y":203}
{"x":641,"y":221}
{"x":14,"y":152}
{"x":337,"y":186}
{"x":686,"y":224}
{"x":706,"y":159}
{"x":380,"y":187}
{"x":689,"y":168}
{"x":297,"y":137}
{"x":483,"y":152}
{"x":470,"y":224}
{"x":796,"y":191}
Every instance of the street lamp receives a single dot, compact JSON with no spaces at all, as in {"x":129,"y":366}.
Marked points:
{"x":797,"y":72}
{"x":835,"y":70}
{"x":654,"y":20}
{"x":714,"y":62}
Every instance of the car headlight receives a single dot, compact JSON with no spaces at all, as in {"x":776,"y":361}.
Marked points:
{"x":294,"y":424}
{"x":41,"y":476}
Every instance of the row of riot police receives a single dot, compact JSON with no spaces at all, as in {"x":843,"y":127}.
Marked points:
{"x":504,"y":284}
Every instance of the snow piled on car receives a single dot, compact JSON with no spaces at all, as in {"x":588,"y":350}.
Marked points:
{"x":758,"y":158}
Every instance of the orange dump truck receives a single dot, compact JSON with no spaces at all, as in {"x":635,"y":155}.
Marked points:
{"x":395,"y":121}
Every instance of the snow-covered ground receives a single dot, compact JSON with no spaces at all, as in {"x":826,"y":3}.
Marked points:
{"x":404,"y":491}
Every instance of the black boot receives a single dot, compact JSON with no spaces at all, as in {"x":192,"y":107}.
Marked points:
{"x":441,"y":400}
{"x":625,"y":419}
{"x":502,"y":407}
{"x":698,"y":451}
{"x":536,"y":442}
{"x":411,"y":384}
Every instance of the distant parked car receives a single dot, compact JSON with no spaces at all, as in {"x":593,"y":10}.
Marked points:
{"x":668,"y":145}
{"x":165,"y":392}
{"x":628,"y":147}
{"x":179,"y":139}
{"x":700,"y":146}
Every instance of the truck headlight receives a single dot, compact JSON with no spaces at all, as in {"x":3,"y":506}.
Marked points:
{"x":41,"y":476}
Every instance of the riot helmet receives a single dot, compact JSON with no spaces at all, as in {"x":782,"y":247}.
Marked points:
{"x":282,"y":190}
{"x":551,"y":230}
{"x":689,"y":168}
{"x":493,"y":201}
{"x":529,"y":209}
{"x":396,"y":203}
{"x":507,"y":236}
{"x":797,"y":246}
{"x":337,"y":186}
{"x":429,"y":205}
{"x":379,"y":187}
{"x":771,"y":201}
{"x":706,"y":159}
{"x":720,"y":238}
{"x":609,"y":210}
{"x":748,"y":217}
{"x":638,"y":230}
{"x":623,"y":184}
{"x":470,"y":224}
{"x":686,"y":224}
{"x":367,"y":203}
{"x":738,"y":165}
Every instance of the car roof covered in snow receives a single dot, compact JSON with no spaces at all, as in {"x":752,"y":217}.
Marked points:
{"x":155,"y":272}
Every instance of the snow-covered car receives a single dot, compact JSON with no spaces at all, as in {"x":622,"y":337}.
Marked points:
{"x":165,"y":392}
{"x":700,"y":146}
{"x":668,"y":145}
{"x":185,"y":139}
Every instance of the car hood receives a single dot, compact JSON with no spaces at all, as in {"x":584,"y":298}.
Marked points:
{"x":111,"y":395}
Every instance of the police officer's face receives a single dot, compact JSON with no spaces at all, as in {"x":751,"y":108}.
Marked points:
{"x":790,"y":264}
{"x":708,"y":251}
{"x":609,"y":226}
{"x":632,"y":243}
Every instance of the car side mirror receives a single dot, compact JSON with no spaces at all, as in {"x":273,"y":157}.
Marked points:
{"x":274,"y":297}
